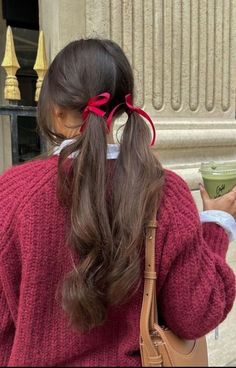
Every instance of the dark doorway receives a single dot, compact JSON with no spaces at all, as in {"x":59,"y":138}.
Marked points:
{"x":21,"y":13}
{"x":23,"y":17}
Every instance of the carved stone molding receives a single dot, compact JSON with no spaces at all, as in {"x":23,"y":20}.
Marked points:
{"x":182,"y":52}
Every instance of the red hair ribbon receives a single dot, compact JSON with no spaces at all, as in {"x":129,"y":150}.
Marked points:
{"x":128,"y":101}
{"x":92,"y":106}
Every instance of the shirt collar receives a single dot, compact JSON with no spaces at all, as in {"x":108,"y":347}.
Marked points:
{"x":113,"y":150}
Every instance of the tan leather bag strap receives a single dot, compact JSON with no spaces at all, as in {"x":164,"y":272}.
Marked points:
{"x":149,"y":305}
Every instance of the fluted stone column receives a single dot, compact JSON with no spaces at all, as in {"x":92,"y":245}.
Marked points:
{"x":184,"y":54}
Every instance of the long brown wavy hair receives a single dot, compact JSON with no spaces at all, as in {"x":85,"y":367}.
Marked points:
{"x":109,"y":202}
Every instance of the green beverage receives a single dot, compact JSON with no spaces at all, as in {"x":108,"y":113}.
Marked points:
{"x":218,"y":178}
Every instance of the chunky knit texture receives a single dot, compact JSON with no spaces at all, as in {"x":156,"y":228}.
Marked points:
{"x":196,"y":288}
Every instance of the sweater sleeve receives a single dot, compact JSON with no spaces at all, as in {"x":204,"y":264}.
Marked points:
{"x":7,"y":330}
{"x":199,"y":287}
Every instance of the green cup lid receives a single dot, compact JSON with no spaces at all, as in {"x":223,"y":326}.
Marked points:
{"x":218,"y":168}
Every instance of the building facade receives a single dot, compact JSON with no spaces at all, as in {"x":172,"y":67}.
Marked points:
{"x":183,"y":53}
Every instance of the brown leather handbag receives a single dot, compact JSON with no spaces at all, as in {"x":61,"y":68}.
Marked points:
{"x":159,"y":346}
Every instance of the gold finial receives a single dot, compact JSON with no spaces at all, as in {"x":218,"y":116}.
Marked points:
{"x":41,"y":64}
{"x":11,"y":65}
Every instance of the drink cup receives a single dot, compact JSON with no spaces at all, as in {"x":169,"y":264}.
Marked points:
{"x":218,"y":178}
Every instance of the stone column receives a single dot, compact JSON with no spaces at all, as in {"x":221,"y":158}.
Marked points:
{"x":5,"y":135}
{"x":62,"y":21}
{"x":184,"y":55}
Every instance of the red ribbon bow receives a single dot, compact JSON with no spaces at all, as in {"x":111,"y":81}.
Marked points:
{"x":128,"y":101}
{"x":92,"y":106}
{"x":102,"y":99}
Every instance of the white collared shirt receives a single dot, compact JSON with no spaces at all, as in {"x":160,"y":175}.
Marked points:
{"x":113,"y":150}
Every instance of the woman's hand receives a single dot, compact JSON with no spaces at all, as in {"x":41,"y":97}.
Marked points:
{"x":226,"y":203}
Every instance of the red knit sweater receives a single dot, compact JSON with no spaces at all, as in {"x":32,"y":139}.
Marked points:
{"x":196,"y":288}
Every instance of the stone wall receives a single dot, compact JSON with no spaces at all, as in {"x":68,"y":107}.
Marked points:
{"x":182,"y":52}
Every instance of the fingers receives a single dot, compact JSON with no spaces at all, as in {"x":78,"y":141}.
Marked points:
{"x":231,"y":196}
{"x":204,"y":193}
{"x":234,"y":189}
